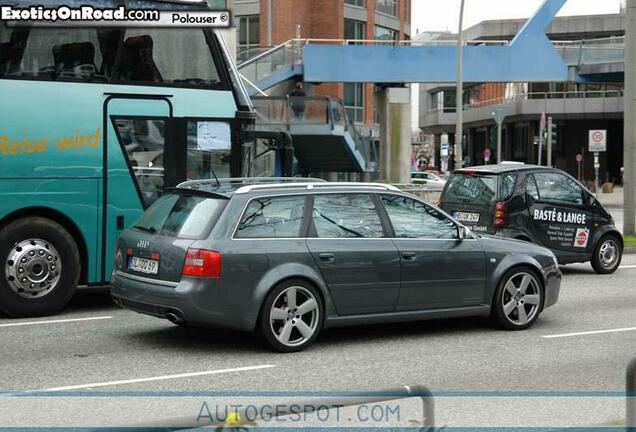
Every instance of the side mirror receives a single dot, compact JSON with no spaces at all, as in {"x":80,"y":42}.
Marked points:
{"x":529,"y":198}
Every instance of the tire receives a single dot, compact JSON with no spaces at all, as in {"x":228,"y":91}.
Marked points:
{"x":511,"y":300}
{"x":278,"y":321}
{"x":608,"y":255}
{"x":51,"y":267}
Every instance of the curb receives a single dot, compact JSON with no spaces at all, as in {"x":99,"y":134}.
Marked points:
{"x":630,"y":250}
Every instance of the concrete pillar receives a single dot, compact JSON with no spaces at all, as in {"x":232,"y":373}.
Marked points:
{"x":394,"y":110}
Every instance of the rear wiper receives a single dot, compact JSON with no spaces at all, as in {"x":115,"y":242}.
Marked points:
{"x":150,"y":230}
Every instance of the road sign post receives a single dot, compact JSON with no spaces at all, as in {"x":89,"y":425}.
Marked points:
{"x":597,"y":144}
{"x":579,"y":160}
{"x":499,"y":114}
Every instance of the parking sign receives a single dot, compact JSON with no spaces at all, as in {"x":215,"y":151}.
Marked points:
{"x":598,"y":141}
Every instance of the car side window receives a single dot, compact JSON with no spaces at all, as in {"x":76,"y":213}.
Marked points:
{"x":272,"y":217}
{"x":531,"y":187}
{"x":413,"y":219}
{"x":558,"y":187}
{"x":346,"y":216}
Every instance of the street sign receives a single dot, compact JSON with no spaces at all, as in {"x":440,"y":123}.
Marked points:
{"x":579,"y":157}
{"x":487,"y":154}
{"x":543,"y":121}
{"x":598,"y":141}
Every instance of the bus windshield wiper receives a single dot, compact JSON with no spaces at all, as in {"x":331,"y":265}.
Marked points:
{"x":151,"y":230}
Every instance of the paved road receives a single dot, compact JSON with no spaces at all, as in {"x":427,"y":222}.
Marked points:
{"x":117,"y":350}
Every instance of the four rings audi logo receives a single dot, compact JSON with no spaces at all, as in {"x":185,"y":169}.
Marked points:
{"x":143,"y":244}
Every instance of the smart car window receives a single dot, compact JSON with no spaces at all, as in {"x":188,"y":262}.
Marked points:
{"x":346,"y":216}
{"x":272,"y":217}
{"x":507,"y":186}
{"x":531,"y":187}
{"x":557,"y":187}
{"x":413,"y":219}
{"x":471,"y":188}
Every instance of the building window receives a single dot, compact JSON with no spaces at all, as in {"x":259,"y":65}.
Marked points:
{"x":354,"y":101}
{"x":354,"y":30}
{"x":389,"y":7}
{"x":359,"y":3}
{"x":247,"y":33}
{"x":383,"y":33}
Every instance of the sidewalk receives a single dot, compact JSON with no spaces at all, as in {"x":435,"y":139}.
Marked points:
{"x":612,"y":200}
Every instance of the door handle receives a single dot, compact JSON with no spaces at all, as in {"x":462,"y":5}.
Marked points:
{"x":327,"y":257}
{"x":408,"y":256}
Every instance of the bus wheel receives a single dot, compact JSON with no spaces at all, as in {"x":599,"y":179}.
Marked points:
{"x":39,"y":267}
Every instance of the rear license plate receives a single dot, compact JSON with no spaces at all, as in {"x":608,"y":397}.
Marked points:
{"x":143,"y":265}
{"x":466,"y":217}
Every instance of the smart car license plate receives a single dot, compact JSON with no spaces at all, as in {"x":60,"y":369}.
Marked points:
{"x":143,"y":265}
{"x":466,"y":217}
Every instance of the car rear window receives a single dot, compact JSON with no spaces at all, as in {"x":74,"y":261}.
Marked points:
{"x":182,"y":216}
{"x":472,"y":188}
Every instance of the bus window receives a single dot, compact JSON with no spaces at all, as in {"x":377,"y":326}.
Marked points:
{"x":144,"y":141}
{"x":67,"y":54}
{"x":171,"y":56}
{"x":209,"y":149}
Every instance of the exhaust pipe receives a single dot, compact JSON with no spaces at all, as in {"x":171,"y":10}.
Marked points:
{"x":174,"y":318}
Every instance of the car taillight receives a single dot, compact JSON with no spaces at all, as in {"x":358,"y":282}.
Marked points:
{"x":202,"y":263}
{"x":118,"y":258}
{"x":499,"y":215}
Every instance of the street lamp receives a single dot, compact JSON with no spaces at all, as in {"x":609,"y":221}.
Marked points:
{"x":459,"y":128}
{"x":499,"y":114}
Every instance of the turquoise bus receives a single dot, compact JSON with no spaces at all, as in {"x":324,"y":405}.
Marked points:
{"x":95,"y":124}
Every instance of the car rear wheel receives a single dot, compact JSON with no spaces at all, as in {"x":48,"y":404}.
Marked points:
{"x":39,"y":267}
{"x":518,"y":299}
{"x":291,"y":317}
{"x":607,"y":255}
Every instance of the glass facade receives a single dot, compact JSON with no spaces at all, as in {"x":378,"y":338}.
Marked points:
{"x":389,"y":7}
{"x":354,"y":30}
{"x":354,"y":101}
{"x":247,"y":34}
{"x":383,"y":33}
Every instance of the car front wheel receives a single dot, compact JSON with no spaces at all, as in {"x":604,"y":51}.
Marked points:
{"x":518,"y":299}
{"x":291,"y":317}
{"x":607,"y":255}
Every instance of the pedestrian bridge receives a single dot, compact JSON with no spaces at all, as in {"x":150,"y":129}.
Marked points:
{"x":405,"y":62}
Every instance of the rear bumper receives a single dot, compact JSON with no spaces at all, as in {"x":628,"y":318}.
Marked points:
{"x":194,"y":300}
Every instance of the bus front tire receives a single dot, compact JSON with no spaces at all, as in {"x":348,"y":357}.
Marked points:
{"x":39,"y":267}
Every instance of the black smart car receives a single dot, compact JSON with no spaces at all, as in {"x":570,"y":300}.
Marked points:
{"x":542,"y":205}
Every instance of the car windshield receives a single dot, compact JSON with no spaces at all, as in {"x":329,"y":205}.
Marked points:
{"x":473,"y":188}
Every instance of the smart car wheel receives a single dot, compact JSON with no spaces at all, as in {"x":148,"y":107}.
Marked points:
{"x":607,"y":255}
{"x":518,"y":300}
{"x":291,"y":317}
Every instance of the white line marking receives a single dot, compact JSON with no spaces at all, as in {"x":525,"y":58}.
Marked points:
{"x":628,"y":267}
{"x":619,"y":330}
{"x":54,"y":321}
{"x":158,"y":378}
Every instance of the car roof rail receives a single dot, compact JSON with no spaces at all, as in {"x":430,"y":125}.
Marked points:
{"x":243,"y":181}
{"x":317,"y":185}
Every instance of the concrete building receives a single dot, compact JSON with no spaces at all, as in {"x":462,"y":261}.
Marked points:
{"x":575,"y":107}
{"x":265,"y":23}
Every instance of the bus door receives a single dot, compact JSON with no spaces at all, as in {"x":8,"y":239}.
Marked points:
{"x":137,"y":129}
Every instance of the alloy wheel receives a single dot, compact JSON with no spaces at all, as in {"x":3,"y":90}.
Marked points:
{"x":608,"y":254}
{"x":294,"y":316}
{"x":521,"y":298}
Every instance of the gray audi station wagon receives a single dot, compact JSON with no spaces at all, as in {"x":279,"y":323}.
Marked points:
{"x":288,"y":259}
